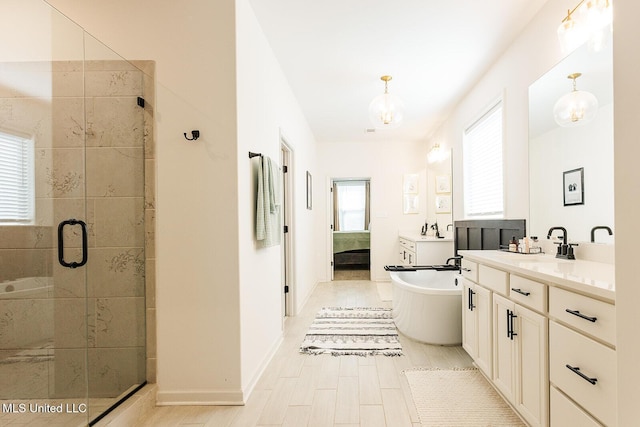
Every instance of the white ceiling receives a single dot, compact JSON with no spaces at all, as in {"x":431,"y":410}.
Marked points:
{"x":333,"y":53}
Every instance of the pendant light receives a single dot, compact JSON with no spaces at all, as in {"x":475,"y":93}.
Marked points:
{"x":386,"y":110}
{"x":576,"y":108}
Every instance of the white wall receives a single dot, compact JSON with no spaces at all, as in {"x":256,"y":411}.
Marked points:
{"x":267,"y":109}
{"x":534,"y":52}
{"x":385,"y":162}
{"x":626,"y":62}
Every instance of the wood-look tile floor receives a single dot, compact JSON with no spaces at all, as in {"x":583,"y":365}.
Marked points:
{"x":299,"y":390}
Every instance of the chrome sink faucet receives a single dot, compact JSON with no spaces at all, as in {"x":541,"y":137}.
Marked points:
{"x":565,"y":250}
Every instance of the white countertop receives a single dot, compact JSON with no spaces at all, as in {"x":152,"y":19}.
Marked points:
{"x":417,"y":237}
{"x":591,"y":278}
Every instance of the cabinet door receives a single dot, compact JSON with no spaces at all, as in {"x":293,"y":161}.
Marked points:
{"x":503,"y":346}
{"x":484,"y":331}
{"x":531,"y":366}
{"x":469,"y":329}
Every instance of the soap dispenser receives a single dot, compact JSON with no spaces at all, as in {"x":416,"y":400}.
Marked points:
{"x":513,"y":245}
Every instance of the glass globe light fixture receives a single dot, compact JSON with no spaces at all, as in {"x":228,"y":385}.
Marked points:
{"x":386,"y":110}
{"x":571,"y":34}
{"x":576,"y":108}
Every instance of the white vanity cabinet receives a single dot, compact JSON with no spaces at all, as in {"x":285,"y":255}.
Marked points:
{"x":552,"y":333}
{"x":419,"y":250}
{"x":476,"y":324}
{"x":520,"y":358}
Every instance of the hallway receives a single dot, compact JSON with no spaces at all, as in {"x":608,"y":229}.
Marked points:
{"x":302,"y":390}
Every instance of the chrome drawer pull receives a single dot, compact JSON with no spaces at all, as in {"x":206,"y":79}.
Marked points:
{"x":582,"y":316}
{"x":465,"y":269}
{"x":521,"y":292}
{"x":576,"y":370}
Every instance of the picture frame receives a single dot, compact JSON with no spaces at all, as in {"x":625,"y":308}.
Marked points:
{"x":573,"y":187}
{"x":309,"y":190}
{"x":410,"y":184}
{"x":410,"y":204}
{"x":443,"y":204}
{"x":443,"y":184}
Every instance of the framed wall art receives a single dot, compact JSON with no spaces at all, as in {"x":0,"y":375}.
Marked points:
{"x":573,"y":187}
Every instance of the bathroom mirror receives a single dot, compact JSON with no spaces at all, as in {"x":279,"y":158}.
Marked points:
{"x":555,"y":152}
{"x":439,"y":191}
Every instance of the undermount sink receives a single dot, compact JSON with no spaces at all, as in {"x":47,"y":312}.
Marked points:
{"x":516,"y":256}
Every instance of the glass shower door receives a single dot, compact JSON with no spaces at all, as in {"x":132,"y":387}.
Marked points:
{"x":115,"y":199}
{"x":72,"y":210}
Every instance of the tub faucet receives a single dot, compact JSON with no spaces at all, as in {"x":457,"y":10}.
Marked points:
{"x":599,"y":227}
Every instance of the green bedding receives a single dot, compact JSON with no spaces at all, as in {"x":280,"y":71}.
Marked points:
{"x":350,"y":240}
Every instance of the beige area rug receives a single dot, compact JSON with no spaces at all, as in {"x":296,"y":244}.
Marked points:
{"x":360,"y":331}
{"x":385,"y":291}
{"x":458,"y":398}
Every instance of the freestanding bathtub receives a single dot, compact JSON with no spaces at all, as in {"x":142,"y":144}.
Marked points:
{"x":427,"y":305}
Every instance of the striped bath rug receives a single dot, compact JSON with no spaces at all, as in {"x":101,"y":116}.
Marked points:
{"x":457,"y":398}
{"x":360,"y":331}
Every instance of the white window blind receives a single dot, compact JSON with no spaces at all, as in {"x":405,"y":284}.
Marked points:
{"x":16,"y":179}
{"x":483,"y":171}
{"x":352,"y":199}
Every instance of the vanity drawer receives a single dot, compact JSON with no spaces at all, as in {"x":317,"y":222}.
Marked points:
{"x":604,"y":326}
{"x":408,"y":244}
{"x":563,"y":412}
{"x":496,"y":280}
{"x":469,"y":270}
{"x":528,"y":293}
{"x":595,"y":362}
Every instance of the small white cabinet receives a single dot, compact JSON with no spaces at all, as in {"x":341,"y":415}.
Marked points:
{"x":415,"y":250}
{"x":476,"y":326}
{"x":520,"y":358}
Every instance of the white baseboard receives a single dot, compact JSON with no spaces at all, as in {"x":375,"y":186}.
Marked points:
{"x":263,"y":366}
{"x":200,"y":398}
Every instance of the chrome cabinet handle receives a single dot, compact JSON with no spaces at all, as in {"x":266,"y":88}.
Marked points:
{"x":465,"y":269}
{"x":582,"y":316}
{"x":521,"y":292}
{"x":576,"y":371}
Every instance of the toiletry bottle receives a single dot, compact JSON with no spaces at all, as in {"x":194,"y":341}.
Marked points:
{"x":513,"y":245}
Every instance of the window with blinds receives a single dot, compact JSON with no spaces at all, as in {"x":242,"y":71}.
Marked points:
{"x":17,"y":195}
{"x":482,"y":166}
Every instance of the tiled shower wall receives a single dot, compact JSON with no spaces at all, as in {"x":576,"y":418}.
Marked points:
{"x":120,"y":214}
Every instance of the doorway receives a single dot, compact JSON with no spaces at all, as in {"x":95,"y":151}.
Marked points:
{"x":350,"y":229}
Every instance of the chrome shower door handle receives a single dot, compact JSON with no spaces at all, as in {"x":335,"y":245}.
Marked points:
{"x":61,"y":259}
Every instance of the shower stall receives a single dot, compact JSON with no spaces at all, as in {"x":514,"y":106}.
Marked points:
{"x":75,"y":134}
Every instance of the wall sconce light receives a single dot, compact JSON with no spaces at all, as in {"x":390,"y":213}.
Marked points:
{"x":591,"y":23}
{"x":386,"y":110}
{"x":436,"y":154}
{"x":576,"y":108}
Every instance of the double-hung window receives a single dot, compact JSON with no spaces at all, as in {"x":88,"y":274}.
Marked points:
{"x":17,"y":194}
{"x":482,"y":166}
